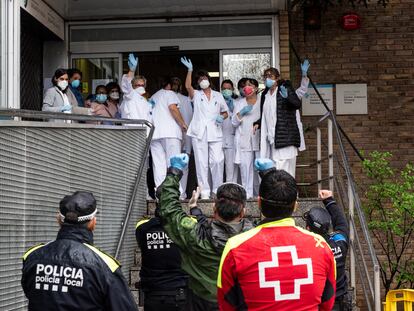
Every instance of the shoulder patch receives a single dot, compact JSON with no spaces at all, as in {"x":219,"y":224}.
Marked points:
{"x":31,"y":250}
{"x":142,"y":221}
{"x":111,"y":262}
{"x":338,"y":237}
{"x":188,"y":222}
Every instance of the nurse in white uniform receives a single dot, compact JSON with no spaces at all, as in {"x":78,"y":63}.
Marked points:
{"x":186,"y":110}
{"x":210,"y":110}
{"x":246,"y":112}
{"x":168,"y":133}
{"x":231,"y":169}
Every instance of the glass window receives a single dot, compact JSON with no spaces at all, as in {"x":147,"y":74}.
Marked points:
{"x":239,"y":65}
{"x":96,"y":71}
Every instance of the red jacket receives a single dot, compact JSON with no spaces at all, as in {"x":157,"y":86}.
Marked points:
{"x":277,"y":266}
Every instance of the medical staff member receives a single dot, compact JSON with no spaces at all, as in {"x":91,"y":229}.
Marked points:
{"x":246,"y":112}
{"x":186,"y":110}
{"x":231,"y":169}
{"x":210,"y":110}
{"x":56,"y":99}
{"x":168,"y":133}
{"x":281,"y":129}
{"x":134,"y":104}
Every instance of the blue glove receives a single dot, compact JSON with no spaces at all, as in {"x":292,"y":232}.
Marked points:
{"x":187,"y":62}
{"x":283,"y":91}
{"x":151,"y":102}
{"x":132,"y":62}
{"x":263,"y":164}
{"x":179,"y":161}
{"x":219,"y":119}
{"x":67,"y":107}
{"x":245,"y":110}
{"x":304,"y":67}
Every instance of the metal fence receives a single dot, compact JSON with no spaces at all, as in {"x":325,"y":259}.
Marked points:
{"x":40,"y":162}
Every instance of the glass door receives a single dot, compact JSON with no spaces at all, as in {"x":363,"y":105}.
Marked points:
{"x":237,"y":64}
{"x":97,"y":69}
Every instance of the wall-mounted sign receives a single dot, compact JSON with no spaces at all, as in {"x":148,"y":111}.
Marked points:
{"x":45,"y":15}
{"x":351,"y":99}
{"x":312,"y":105}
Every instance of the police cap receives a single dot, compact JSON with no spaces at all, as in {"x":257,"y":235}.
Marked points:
{"x":318,"y":220}
{"x":80,"y":207}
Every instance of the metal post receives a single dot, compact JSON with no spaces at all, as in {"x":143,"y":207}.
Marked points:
{"x":377,"y":293}
{"x":330,"y":155}
{"x":351,"y":236}
{"x":319,"y":158}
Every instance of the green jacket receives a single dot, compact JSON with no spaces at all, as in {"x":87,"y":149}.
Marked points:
{"x":201,"y":242}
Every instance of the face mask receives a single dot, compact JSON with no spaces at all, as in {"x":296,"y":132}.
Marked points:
{"x":269,"y":82}
{"x":114,"y":95}
{"x":248,"y":90}
{"x":101,"y":98}
{"x":62,"y":84}
{"x":75,"y":83}
{"x":204,"y":84}
{"x":141,"y":90}
{"x":227,"y":93}
{"x":242,"y":93}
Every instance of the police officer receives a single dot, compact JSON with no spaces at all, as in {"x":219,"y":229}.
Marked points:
{"x":70,"y":273}
{"x":163,"y":283}
{"x":318,"y":220}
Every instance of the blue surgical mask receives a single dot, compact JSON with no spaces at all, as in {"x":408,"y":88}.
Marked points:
{"x":101,"y":98}
{"x":75,"y":83}
{"x":227,"y":93}
{"x":269,"y":82}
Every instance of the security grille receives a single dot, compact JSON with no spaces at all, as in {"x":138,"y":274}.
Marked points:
{"x":42,"y":162}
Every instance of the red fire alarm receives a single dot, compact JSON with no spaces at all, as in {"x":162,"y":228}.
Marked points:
{"x":351,"y":21}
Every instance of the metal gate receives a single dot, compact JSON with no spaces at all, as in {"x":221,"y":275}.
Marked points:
{"x":40,"y":162}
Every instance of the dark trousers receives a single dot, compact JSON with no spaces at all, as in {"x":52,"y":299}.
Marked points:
{"x":196,"y":303}
{"x":166,"y":301}
{"x":341,"y":304}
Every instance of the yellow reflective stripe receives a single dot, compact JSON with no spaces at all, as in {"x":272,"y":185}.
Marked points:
{"x":111,"y":262}
{"x":233,"y":243}
{"x":31,"y":250}
{"x":193,"y":218}
{"x":141,"y":222}
{"x":279,"y":223}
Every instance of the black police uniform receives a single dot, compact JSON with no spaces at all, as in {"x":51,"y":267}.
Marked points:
{"x":71,"y":274}
{"x":163,"y":282}
{"x":338,"y":241}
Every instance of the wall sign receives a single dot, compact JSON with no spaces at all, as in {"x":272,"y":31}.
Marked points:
{"x":45,"y":15}
{"x":312,"y":105}
{"x":351,"y":98}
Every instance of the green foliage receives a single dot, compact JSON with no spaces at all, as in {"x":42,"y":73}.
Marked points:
{"x":389,"y":207}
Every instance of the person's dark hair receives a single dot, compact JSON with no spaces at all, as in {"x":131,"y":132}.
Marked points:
{"x":253,"y":81}
{"x":227,"y":81}
{"x":58,"y":73}
{"x":199,"y":74}
{"x":278,"y":194}
{"x":166,"y":80}
{"x":242,"y":82}
{"x":100,"y":86}
{"x":73,"y":71}
{"x":112,"y":85}
{"x":176,"y":84}
{"x":230,"y":201}
{"x":273,"y":71}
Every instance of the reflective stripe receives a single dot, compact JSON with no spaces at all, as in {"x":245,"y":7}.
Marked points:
{"x":31,"y":250}
{"x":111,"y":262}
{"x":141,"y":222}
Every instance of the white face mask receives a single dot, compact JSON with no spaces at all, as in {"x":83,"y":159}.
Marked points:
{"x":204,"y":84}
{"x":141,"y":90}
{"x":62,"y":84}
{"x":114,"y":95}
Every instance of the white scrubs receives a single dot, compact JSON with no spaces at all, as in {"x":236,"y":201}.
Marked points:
{"x":247,"y":143}
{"x":186,"y":110}
{"x":230,"y":167}
{"x":207,"y":138}
{"x":284,"y":158}
{"x":167,"y":137}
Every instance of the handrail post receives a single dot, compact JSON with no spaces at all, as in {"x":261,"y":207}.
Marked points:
{"x":377,"y":286}
{"x":351,"y":236}
{"x":319,"y":157}
{"x":330,"y":156}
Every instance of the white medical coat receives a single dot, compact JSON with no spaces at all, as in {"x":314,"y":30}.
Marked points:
{"x":186,"y":110}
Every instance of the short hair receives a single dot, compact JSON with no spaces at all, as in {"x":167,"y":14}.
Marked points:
{"x":278,"y":193}
{"x":230,"y":201}
{"x":138,"y":77}
{"x":176,"y":84}
{"x":229,"y":82}
{"x":58,"y":73}
{"x":112,"y":85}
{"x":73,"y":71}
{"x":100,"y":86}
{"x":242,"y":82}
{"x":253,"y":81}
{"x":273,"y":71}
{"x":202,"y":73}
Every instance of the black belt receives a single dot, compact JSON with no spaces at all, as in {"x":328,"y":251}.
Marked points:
{"x":175,"y":292}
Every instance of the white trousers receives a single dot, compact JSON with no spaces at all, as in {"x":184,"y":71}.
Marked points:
{"x":183,"y":183}
{"x":208,"y":155}
{"x":288,"y":165}
{"x":229,"y":165}
{"x":162,"y":150}
{"x":247,"y":171}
